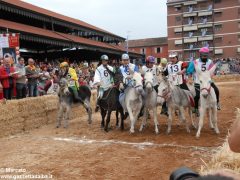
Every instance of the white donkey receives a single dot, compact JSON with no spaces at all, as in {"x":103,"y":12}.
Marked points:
{"x":150,"y":101}
{"x":176,"y":98}
{"x":132,"y":101}
{"x":208,"y":99}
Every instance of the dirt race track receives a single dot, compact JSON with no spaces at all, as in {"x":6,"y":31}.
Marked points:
{"x":86,"y":152}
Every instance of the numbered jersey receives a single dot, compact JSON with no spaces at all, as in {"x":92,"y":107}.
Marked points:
{"x":103,"y":77}
{"x":125,"y":70}
{"x":203,"y":66}
{"x":173,"y":77}
{"x":153,"y":70}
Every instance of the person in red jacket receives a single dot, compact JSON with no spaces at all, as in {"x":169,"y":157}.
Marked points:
{"x":7,"y":78}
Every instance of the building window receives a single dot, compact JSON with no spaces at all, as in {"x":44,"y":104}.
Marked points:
{"x":238,"y":25}
{"x":218,"y":27}
{"x":178,"y":33}
{"x":217,"y":1}
{"x":178,"y":18}
{"x":218,"y":14}
{"x":238,"y":37}
{"x":158,"y":50}
{"x":218,"y":39}
{"x":177,"y":8}
{"x":143,"y":51}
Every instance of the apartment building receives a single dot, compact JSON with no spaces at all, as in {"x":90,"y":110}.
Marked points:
{"x":199,"y":23}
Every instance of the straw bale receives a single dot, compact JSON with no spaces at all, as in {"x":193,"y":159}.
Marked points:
{"x":223,"y":158}
{"x":17,"y":116}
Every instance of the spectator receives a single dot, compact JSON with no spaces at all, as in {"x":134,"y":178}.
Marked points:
{"x":21,"y":79}
{"x":32,"y":75}
{"x":8,"y":78}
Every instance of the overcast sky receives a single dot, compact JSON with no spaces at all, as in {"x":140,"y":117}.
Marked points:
{"x":138,"y":18}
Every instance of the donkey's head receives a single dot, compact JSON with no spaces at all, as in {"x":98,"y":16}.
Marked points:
{"x":63,"y":86}
{"x":148,"y":81}
{"x":205,"y":80}
{"x":137,"y":82}
{"x":163,"y":90}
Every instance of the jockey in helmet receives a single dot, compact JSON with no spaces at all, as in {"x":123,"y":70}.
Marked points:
{"x":151,"y":67}
{"x":204,"y":63}
{"x":103,"y":79}
{"x":176,"y":71}
{"x":127,"y":68}
{"x":71,"y":75}
{"x":163,"y":63}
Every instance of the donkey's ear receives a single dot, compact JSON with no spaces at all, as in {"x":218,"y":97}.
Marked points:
{"x":198,"y":71}
{"x":212,"y":69}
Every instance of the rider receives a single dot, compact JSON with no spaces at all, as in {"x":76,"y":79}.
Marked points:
{"x":126,"y":68}
{"x":71,"y":75}
{"x":150,"y":67}
{"x":103,"y":79}
{"x":176,"y":70}
{"x":204,"y":63}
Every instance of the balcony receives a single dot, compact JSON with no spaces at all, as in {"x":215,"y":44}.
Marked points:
{"x":206,"y":38}
{"x":190,"y":40}
{"x":218,"y":51}
{"x":190,"y":28}
{"x":208,"y":25}
{"x":205,"y":13}
{"x":176,"y":30}
{"x":189,"y":3}
{"x":178,"y":42}
{"x":192,"y":14}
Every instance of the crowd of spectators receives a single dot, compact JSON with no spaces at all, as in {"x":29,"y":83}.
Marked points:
{"x":33,"y":78}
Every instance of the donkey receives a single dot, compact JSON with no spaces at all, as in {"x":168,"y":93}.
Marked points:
{"x":208,"y":99}
{"x":150,"y":101}
{"x":66,"y":100}
{"x":176,"y":98}
{"x":132,"y":99}
{"x":110,"y":101}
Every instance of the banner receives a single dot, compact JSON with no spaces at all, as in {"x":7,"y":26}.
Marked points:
{"x":9,"y":44}
{"x":10,"y":52}
{"x":13,"y":40}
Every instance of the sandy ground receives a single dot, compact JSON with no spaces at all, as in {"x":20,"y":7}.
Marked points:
{"x":86,"y":152}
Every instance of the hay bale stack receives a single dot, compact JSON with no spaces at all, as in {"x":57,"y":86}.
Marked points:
{"x":224,"y":158}
{"x":17,"y":116}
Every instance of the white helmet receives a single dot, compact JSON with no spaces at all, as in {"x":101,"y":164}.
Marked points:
{"x":104,"y":57}
{"x":125,"y":57}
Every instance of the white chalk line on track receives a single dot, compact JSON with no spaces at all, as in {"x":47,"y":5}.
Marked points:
{"x":140,"y":145}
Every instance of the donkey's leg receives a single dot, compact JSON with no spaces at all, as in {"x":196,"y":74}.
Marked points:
{"x":117,"y":119}
{"x":193,"y":119}
{"x":122,"y":118}
{"x":144,"y":119}
{"x":66,"y":116}
{"x":184,"y":120}
{"x":201,"y":119}
{"x":60,"y":116}
{"x":214,"y":118}
{"x":169,"y":119}
{"x":155,"y":120}
{"x":108,"y":120}
{"x":103,"y":114}
{"x":131,"y":119}
{"x":88,"y":108}
{"x":210,"y":118}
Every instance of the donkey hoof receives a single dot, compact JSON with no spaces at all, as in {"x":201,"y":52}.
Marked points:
{"x":58,"y":126}
{"x":197,"y":136}
{"x":157,"y":132}
{"x":105,"y":129}
{"x":217,"y":131}
{"x":131,"y":131}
